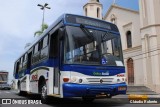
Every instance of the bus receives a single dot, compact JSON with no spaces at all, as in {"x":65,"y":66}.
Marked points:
{"x":3,"y":77}
{"x":76,"y":56}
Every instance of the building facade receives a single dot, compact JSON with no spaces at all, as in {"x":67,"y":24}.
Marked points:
{"x":139,"y":35}
{"x":150,"y":37}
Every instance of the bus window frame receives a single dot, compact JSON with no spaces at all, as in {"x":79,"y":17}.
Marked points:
{"x":43,"y":48}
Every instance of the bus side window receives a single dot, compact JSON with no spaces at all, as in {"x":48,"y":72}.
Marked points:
{"x":25,"y":61}
{"x":17,"y":67}
{"x":36,"y":54}
{"x":54,"y":44}
{"x":20,"y":64}
{"x":44,"y":50}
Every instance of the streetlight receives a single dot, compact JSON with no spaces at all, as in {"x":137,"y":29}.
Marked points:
{"x":43,"y":8}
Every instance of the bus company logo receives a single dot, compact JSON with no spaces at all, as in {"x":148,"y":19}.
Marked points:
{"x":34,"y":77}
{"x":101,"y":74}
{"x":105,"y":73}
{"x":97,"y":73}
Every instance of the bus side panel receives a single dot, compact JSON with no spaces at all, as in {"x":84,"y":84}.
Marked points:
{"x":35,"y":76}
{"x":23,"y":83}
{"x":15,"y":85}
{"x":64,"y":74}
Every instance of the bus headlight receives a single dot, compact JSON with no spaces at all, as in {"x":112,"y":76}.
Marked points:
{"x":123,"y":79}
{"x":73,"y":79}
{"x":118,"y":80}
{"x":76,"y":80}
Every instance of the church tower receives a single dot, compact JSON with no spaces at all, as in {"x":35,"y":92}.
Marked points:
{"x":150,"y":36}
{"x":93,"y":9}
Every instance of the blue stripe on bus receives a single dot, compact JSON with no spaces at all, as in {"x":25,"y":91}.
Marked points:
{"x":47,"y":62}
{"x":94,"y":70}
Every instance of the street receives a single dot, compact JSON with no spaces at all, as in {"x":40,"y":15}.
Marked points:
{"x":74,"y":102}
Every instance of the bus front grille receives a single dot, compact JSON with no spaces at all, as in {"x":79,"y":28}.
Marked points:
{"x":99,"y":80}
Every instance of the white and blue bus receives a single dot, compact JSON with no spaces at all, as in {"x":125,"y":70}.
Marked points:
{"x":76,"y":56}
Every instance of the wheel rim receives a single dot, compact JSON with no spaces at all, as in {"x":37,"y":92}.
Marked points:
{"x":44,"y":92}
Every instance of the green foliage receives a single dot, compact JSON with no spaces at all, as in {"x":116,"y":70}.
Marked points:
{"x":43,"y":28}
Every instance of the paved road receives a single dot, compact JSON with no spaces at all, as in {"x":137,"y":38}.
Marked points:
{"x":115,"y":102}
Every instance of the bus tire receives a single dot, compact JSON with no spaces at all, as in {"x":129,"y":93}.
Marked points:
{"x":19,"y":89}
{"x":88,"y":99}
{"x":44,"y":97}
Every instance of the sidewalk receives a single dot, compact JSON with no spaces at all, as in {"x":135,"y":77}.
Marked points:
{"x":126,"y":96}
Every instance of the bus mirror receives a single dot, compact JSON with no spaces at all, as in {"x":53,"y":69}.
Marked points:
{"x":61,"y":33}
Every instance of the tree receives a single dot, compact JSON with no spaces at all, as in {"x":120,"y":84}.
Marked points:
{"x":43,"y":28}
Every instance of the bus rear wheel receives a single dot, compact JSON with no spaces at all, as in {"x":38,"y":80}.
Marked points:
{"x":19,"y":92}
{"x":44,"y":96}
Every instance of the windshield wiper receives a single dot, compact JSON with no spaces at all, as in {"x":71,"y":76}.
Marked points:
{"x":86,"y":31}
{"x":108,"y":36}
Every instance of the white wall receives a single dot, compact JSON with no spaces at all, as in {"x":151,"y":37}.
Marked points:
{"x":127,"y":20}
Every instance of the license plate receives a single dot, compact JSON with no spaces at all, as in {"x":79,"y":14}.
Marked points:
{"x":101,"y":95}
{"x":122,"y":88}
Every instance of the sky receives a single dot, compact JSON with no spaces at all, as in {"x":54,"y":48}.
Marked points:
{"x":19,"y":19}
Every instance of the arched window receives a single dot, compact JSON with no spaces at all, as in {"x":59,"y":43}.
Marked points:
{"x":98,"y":13}
{"x":129,"y":39}
{"x":130,"y":70}
{"x":86,"y":11}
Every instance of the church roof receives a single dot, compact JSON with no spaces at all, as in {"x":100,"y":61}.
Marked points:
{"x":119,"y":7}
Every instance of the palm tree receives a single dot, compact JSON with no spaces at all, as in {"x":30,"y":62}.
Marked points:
{"x":43,"y":28}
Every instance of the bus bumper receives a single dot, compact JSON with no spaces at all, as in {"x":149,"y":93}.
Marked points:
{"x":80,"y":90}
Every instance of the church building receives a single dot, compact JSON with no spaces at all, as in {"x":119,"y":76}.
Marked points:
{"x":140,"y":35}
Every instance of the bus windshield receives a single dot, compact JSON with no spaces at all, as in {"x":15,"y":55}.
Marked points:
{"x":92,"y":47}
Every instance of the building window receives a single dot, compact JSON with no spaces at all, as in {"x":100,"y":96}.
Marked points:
{"x":98,"y":13}
{"x":86,"y":11}
{"x":129,"y":39}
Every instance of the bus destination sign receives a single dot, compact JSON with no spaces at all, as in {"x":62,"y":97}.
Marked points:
{"x":89,"y":22}
{"x":92,"y":23}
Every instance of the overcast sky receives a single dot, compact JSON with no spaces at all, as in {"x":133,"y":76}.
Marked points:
{"x":19,"y":19}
